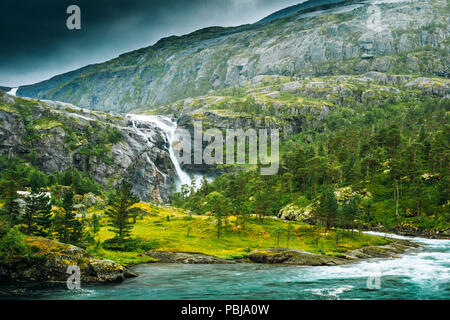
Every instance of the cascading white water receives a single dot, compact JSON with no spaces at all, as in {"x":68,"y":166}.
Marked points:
{"x":168,"y":127}
{"x":13,"y":91}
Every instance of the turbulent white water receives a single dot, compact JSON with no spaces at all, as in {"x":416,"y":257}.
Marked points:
{"x":13,"y":91}
{"x":418,"y":274}
{"x":168,"y":127}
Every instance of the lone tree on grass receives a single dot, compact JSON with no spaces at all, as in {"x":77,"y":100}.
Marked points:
{"x":218,"y":204}
{"x":290,"y":232}
{"x":121,"y":214}
{"x":278,"y":231}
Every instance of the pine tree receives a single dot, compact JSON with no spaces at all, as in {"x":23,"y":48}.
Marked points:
{"x":9,"y":187}
{"x":218,"y":204}
{"x":239,"y":198}
{"x":349,"y":213}
{"x":204,"y":186}
{"x":37,"y":217}
{"x":328,"y":207}
{"x":121,"y":214}
{"x":77,"y":235}
{"x":262,"y":198}
{"x":36,"y":180}
{"x":278,"y":231}
{"x":65,"y":222}
{"x":69,"y":215}
{"x":290,"y":231}
{"x":95,"y":223}
{"x":288,"y":178}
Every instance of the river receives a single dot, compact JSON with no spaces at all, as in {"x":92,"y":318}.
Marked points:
{"x":420,"y":274}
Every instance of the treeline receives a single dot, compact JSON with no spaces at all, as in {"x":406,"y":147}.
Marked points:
{"x":32,"y":212}
{"x":393,"y":157}
{"x":48,"y":209}
{"x":25,"y":175}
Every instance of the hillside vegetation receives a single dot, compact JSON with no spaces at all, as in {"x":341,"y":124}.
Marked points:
{"x":382,"y":149}
{"x":351,"y":38}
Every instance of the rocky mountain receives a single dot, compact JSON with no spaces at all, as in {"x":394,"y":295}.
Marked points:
{"x":303,"y":7}
{"x":56,"y":136}
{"x":315,"y":38}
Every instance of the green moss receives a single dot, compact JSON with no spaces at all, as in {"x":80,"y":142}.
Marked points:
{"x":46,"y":124}
{"x":122,"y":258}
{"x":7,"y":108}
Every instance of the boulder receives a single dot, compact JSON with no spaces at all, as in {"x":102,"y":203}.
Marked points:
{"x":293,"y":212}
{"x":391,"y":250}
{"x":50,"y":262}
{"x":185,"y":258}
{"x":273,"y":95}
{"x":302,"y":258}
{"x":293,"y":257}
{"x":90,"y":199}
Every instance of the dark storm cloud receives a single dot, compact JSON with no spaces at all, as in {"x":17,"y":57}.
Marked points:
{"x":35,"y":43}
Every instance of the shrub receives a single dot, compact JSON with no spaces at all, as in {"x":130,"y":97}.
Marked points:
{"x":13,"y":247}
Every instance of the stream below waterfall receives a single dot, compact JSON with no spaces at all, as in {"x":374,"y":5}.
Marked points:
{"x":419,"y":274}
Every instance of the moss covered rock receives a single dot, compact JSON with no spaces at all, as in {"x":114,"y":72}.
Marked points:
{"x":293,"y":257}
{"x":50,"y":260}
{"x":303,"y":258}
{"x":293,"y":212}
{"x":185,"y":258}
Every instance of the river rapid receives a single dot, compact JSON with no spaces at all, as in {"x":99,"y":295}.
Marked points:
{"x":419,"y":274}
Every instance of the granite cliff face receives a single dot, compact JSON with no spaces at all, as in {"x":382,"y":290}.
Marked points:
{"x":55,"y":136}
{"x":330,"y":38}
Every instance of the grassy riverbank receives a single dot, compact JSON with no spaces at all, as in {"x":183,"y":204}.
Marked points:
{"x":169,"y":229}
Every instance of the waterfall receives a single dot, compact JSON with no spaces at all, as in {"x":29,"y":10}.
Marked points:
{"x":168,"y":127}
{"x":13,"y":91}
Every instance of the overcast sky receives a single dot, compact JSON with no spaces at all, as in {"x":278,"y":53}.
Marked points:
{"x":36,"y":44}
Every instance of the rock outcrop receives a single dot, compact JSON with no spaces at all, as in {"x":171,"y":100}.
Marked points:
{"x":303,"y":258}
{"x":51,"y":260}
{"x":56,"y":136}
{"x":293,"y":257}
{"x":393,"y":249}
{"x":292,"y":212}
{"x":185,"y":258}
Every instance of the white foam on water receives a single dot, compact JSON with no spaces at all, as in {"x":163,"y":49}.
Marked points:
{"x":330,"y":293}
{"x":427,"y":267}
{"x":13,"y":91}
{"x":415,"y":239}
